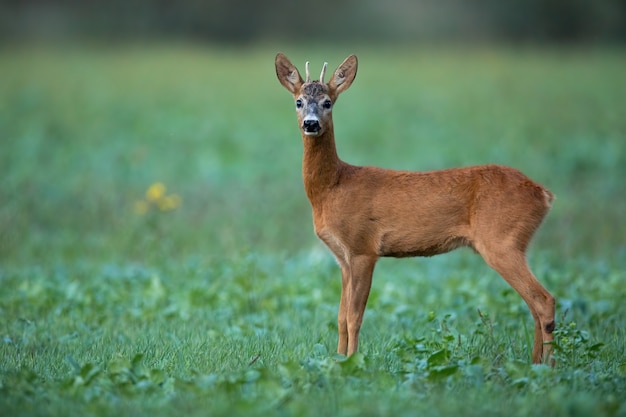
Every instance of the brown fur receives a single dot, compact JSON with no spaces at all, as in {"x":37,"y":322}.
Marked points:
{"x":363,"y":213}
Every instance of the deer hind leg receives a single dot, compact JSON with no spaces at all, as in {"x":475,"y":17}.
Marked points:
{"x":510,"y":262}
{"x":356,"y":284}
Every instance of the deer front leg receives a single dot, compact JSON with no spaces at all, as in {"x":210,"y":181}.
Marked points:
{"x":354,"y":297}
{"x":342,"y":318}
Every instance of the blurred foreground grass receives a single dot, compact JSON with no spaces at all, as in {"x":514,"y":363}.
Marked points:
{"x":86,"y":130}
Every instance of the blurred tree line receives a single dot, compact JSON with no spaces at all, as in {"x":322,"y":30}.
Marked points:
{"x":242,"y":21}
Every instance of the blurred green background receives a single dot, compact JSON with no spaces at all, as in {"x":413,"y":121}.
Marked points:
{"x":238,"y":21}
{"x":157,"y":254}
{"x":102,"y":100}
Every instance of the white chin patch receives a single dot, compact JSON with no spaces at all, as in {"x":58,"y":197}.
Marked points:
{"x":311,"y":133}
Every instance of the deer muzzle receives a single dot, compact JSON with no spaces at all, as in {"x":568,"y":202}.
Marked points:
{"x":311,"y":127}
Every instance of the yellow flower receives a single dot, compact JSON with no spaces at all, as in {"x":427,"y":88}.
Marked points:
{"x":169,"y":202}
{"x":157,"y":199}
{"x":155,"y":192}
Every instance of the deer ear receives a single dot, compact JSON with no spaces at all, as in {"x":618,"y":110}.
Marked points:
{"x":288,"y":74}
{"x":344,"y":75}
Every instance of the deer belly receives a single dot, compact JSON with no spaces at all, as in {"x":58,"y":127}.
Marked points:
{"x":408,"y":243}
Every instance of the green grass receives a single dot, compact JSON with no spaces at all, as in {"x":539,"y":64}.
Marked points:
{"x":226,"y":303}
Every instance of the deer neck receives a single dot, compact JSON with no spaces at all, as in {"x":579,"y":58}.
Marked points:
{"x":320,"y":165}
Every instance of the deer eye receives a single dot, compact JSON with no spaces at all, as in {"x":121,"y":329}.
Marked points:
{"x":328,"y":104}
{"x":298,"y":103}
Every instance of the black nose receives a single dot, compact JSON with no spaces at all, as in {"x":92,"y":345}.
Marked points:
{"x":311,"y":126}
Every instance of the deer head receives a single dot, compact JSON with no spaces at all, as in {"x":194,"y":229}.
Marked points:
{"x":315,"y":99}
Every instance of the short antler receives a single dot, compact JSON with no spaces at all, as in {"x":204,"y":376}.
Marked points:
{"x":308,"y":75}
{"x":323,"y":72}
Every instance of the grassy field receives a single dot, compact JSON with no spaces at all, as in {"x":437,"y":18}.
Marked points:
{"x":157,"y":254}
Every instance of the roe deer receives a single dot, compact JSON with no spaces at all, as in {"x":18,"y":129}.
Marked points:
{"x":363,"y":213}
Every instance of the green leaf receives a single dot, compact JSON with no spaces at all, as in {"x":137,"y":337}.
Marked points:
{"x":596,"y":347}
{"x":442,"y":372}
{"x":354,"y":363}
{"x":119,"y":365}
{"x":438,"y":358}
{"x":90,"y":372}
{"x":136,"y":363}
{"x":157,"y":376}
{"x":520,"y":382}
